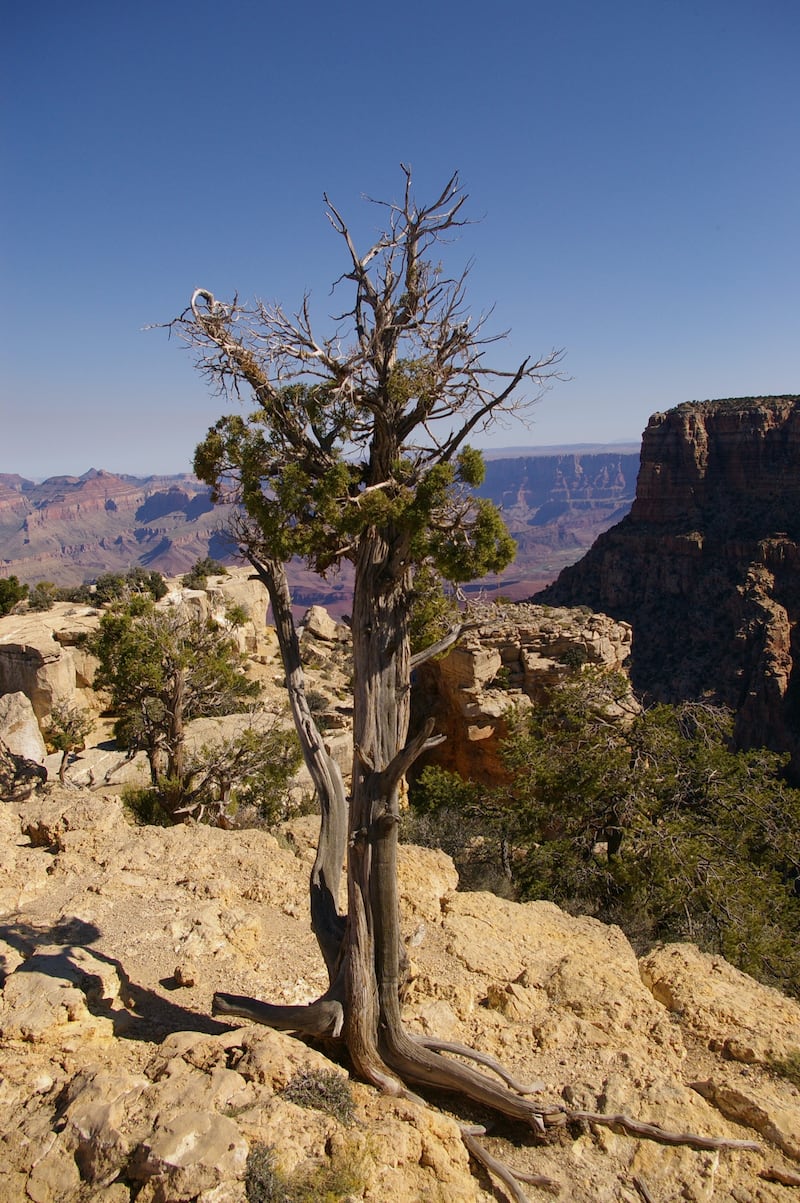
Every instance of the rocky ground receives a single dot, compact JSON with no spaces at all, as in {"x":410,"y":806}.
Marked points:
{"x":117,"y":1084}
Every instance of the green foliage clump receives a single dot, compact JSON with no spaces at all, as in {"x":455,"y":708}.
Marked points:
{"x":322,"y":1090}
{"x":11,"y":592}
{"x":198,"y":574}
{"x":144,"y":805}
{"x":468,"y":822}
{"x":65,"y":731}
{"x":433,"y":611}
{"x":332,"y":1181}
{"x":116,"y":586}
{"x":43,"y":596}
{"x":163,"y":668}
{"x":236,"y":615}
{"x":663,"y":828}
{"x":787,"y":1067}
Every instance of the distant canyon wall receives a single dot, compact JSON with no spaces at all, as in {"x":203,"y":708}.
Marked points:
{"x":706,"y":566}
{"x":69,"y":529}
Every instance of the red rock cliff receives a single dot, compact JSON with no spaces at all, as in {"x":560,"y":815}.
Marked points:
{"x":706,"y":566}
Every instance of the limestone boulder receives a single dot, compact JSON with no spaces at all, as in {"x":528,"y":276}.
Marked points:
{"x":43,"y":656}
{"x":19,"y":728}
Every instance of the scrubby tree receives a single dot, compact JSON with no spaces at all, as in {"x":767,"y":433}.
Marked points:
{"x":11,"y":592}
{"x":358,"y":449}
{"x":112,"y":586}
{"x":201,"y":570}
{"x":65,"y":730}
{"x":164,"y":667}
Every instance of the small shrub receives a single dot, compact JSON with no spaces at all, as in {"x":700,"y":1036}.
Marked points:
{"x":43,"y":596}
{"x":575,"y":657}
{"x":236,"y":615}
{"x":198,"y":574}
{"x":144,"y":805}
{"x":11,"y":592}
{"x":330,"y":1182}
{"x":263,"y":1182}
{"x":113,"y":586}
{"x":502,"y":679}
{"x":787,"y":1067}
{"x":322,"y":1090}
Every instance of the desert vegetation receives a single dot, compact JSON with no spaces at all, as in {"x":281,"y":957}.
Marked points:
{"x":164,"y":667}
{"x":658,"y":824}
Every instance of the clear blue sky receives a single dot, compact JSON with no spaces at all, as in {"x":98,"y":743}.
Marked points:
{"x":635,"y":163}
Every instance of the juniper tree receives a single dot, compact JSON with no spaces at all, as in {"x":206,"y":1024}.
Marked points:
{"x":164,"y":667}
{"x":357,"y":449}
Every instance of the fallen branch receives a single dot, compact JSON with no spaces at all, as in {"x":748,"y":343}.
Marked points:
{"x":785,"y":1177}
{"x":325,"y":1017}
{"x":642,"y":1191}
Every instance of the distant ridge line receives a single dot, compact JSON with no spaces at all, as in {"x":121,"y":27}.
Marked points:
{"x":621,"y":447}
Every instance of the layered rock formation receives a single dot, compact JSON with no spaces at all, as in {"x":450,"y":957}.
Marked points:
{"x":510,"y":658}
{"x":118,"y":1085}
{"x":70,"y":529}
{"x":706,"y":566}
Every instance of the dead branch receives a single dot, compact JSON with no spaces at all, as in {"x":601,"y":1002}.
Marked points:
{"x":325,"y":1017}
{"x":642,"y":1191}
{"x":775,"y":1174}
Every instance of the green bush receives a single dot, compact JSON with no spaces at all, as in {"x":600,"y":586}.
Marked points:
{"x":657,"y":824}
{"x":144,"y":805}
{"x":43,"y":596}
{"x":198,"y":574}
{"x":11,"y":592}
{"x":116,"y":586}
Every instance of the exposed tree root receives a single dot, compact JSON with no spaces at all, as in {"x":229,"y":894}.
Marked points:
{"x":785,"y":1177}
{"x":663,"y":1136}
{"x":463,"y":1050}
{"x":510,"y":1178}
{"x":642,"y":1191}
{"x":417,"y":1061}
{"x":325,"y":1017}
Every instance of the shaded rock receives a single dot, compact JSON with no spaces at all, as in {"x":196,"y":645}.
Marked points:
{"x":714,"y":530}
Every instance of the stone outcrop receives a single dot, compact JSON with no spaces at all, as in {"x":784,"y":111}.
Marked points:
{"x":42,"y":656}
{"x":117,"y":1083}
{"x":706,"y":566}
{"x":19,"y":729}
{"x":510,"y":658}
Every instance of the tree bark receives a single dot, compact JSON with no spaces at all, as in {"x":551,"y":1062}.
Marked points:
{"x":327,"y":924}
{"x":380,"y":725}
